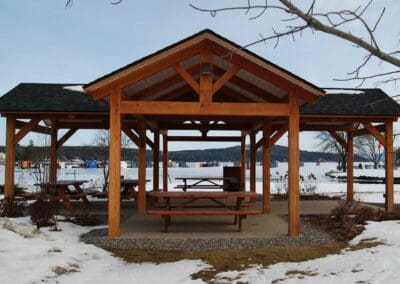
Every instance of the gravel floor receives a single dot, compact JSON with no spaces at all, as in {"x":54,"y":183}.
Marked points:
{"x":310,"y":235}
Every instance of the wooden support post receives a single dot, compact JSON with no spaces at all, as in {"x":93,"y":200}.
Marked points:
{"x":389,"y":192}
{"x":294,"y":196}
{"x":165,"y":162}
{"x":243,"y":160}
{"x":156,"y":161}
{"x":350,"y":167}
{"x":266,"y":167}
{"x":114,"y":191}
{"x":141,"y":197}
{"x":253,"y":161}
{"x":53,"y":153}
{"x":206,"y":79}
{"x":10,"y":158}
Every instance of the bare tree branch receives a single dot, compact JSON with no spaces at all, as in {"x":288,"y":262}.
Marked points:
{"x":332,"y":22}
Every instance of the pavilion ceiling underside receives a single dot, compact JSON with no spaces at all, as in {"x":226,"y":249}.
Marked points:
{"x":168,"y":85}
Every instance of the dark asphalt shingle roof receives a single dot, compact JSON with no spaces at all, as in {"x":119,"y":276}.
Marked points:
{"x":36,"y":97}
{"x":367,"y":102}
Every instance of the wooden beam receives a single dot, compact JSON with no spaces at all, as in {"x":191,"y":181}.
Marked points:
{"x":345,"y":118}
{"x":202,"y":127}
{"x":350,"y":167}
{"x":389,"y":189}
{"x":206,"y":79}
{"x":165,"y":162}
{"x":53,"y":154}
{"x":32,"y":124}
{"x":10,"y":158}
{"x":375,"y":132}
{"x":243,"y":160}
{"x":294,"y":178}
{"x":141,"y":196}
{"x":365,"y":131}
{"x":227,"y":94}
{"x":307,"y":127}
{"x":205,"y":138}
{"x":225,"y":78}
{"x":339,"y":139}
{"x":248,"y":86}
{"x":187,"y":77}
{"x":266,"y":166}
{"x":156,"y":161}
{"x":274,"y":138}
{"x":66,"y":136}
{"x":175,"y":94}
{"x":194,"y":108}
{"x":252,"y":161}
{"x":38,"y":129}
{"x":159,"y":87}
{"x":114,"y":191}
{"x":281,"y":131}
{"x":128,"y":132}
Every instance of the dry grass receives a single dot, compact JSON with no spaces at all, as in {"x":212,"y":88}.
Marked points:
{"x":234,"y":259}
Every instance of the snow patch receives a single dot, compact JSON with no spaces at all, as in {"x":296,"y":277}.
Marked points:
{"x":75,"y":88}
{"x":343,"y":91}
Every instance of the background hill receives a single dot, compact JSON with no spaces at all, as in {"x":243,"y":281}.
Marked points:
{"x":279,"y":153}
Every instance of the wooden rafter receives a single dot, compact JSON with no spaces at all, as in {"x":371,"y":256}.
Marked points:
{"x":160,"y":86}
{"x":246,"y":85}
{"x":172,"y":95}
{"x":188,"y":78}
{"x":131,"y":76}
{"x":375,"y":132}
{"x":66,"y":136}
{"x":225,"y":78}
{"x":281,"y":131}
{"x":32,"y":124}
{"x":339,"y":139}
{"x":229,"y":94}
{"x":268,"y":75}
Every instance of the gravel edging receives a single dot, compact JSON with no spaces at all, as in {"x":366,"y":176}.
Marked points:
{"x":310,"y":235}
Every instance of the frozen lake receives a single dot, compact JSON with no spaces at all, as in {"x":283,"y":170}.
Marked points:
{"x":324,"y":185}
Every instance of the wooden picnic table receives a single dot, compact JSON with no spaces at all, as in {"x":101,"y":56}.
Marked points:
{"x":61,"y":190}
{"x":203,"y":182}
{"x":219,"y":199}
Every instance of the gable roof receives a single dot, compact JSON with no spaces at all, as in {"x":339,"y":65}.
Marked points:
{"x":362,"y":101}
{"x":42,"y":97}
{"x":111,"y":78}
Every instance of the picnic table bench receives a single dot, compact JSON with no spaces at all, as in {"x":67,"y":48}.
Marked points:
{"x":128,"y":189}
{"x":186,"y":208}
{"x":203,"y":182}
{"x":60,"y":190}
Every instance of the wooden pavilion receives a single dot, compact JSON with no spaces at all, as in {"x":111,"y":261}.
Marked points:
{"x":203,"y":83}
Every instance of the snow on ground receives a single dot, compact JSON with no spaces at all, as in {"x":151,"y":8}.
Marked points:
{"x":40,"y":256}
{"x":379,"y":173}
{"x":378,"y":264}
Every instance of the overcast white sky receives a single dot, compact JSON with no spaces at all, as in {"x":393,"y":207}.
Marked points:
{"x":41,"y":41}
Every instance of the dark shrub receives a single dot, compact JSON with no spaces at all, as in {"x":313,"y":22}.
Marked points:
{"x":43,"y":213}
{"x":10,"y":207}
